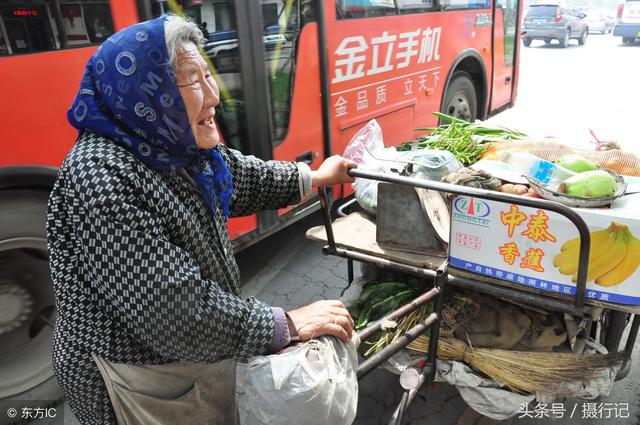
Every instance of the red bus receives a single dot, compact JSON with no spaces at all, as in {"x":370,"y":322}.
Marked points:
{"x":298,"y":78}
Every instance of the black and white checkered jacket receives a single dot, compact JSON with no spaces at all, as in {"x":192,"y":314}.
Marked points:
{"x":144,"y":273}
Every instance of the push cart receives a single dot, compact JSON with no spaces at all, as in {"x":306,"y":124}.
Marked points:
{"x":353,"y":237}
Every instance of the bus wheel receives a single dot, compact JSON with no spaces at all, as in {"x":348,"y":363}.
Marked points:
{"x":27,"y":308}
{"x":526,"y":41}
{"x":460,"y":99}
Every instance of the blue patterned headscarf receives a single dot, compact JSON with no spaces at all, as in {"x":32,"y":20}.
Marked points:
{"x":129,"y":94}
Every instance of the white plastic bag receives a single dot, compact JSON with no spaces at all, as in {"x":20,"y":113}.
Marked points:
{"x":311,"y":383}
{"x":367,"y":149}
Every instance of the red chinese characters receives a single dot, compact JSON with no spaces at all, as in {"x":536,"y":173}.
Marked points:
{"x":509,"y":252}
{"x":512,"y":219}
{"x":533,"y":260}
{"x":537,"y":230}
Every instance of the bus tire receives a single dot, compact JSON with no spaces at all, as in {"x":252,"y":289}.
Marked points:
{"x":25,"y":284}
{"x":526,"y":41}
{"x":461,"y":99}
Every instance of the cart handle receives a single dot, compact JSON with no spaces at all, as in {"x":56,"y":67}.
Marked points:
{"x":574,"y":218}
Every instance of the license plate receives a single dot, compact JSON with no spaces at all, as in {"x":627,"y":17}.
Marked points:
{"x":539,"y":21}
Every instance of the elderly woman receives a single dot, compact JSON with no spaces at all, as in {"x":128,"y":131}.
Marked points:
{"x":149,"y":319}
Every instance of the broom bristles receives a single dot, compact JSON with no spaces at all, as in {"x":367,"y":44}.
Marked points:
{"x":523,"y":371}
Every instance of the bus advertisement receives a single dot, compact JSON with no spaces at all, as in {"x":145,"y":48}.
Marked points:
{"x":297,"y":78}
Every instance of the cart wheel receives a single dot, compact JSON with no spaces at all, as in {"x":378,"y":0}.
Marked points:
{"x":616,"y":321}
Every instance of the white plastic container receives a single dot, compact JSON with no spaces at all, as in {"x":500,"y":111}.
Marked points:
{"x":536,"y":168}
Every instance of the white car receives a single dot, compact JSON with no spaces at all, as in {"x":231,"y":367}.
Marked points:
{"x":600,"y":21}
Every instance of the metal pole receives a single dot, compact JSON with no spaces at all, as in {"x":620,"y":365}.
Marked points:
{"x":324,"y":78}
{"x":441,"y":283}
{"x":382,"y":262}
{"x":417,"y":302}
{"x":324,"y":205}
{"x":397,"y":345}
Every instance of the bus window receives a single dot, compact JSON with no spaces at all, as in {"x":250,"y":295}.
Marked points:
{"x":350,"y":9}
{"x":217,"y":20}
{"x":510,"y":26}
{"x":52,"y":25}
{"x":415,"y":6}
{"x":98,"y":21}
{"x":464,"y":4}
{"x":281,"y":19}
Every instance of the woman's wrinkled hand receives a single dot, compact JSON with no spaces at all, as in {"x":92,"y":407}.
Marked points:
{"x":333,"y":171}
{"x":325,"y":317}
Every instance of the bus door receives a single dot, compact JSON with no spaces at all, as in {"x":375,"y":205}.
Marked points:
{"x":505,"y":26}
{"x":278,"y":52}
{"x":264,"y":57}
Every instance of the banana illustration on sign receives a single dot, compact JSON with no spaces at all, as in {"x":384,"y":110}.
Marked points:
{"x":614,"y":256}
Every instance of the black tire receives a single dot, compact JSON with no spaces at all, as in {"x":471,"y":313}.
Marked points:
{"x":526,"y":41}
{"x":547,"y":42}
{"x":564,"y":42}
{"x":583,"y":37}
{"x":460,"y":98}
{"x":627,"y":40}
{"x":25,"y":283}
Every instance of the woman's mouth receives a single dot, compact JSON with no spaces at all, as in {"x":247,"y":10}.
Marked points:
{"x":207,"y":122}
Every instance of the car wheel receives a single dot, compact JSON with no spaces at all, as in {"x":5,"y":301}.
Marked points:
{"x":583,"y":38}
{"x":26,"y":294}
{"x":526,"y":41}
{"x":547,"y":42}
{"x":627,"y":40}
{"x":460,"y":99}
{"x":564,"y":41}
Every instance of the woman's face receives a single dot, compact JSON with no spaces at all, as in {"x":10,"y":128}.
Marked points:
{"x":200,"y":94}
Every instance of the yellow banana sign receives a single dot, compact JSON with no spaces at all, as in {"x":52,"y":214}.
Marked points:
{"x":613,"y":257}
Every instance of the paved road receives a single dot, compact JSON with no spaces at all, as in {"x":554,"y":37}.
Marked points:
{"x":563,"y":92}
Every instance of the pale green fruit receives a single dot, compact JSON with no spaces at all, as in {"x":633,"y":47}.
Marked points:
{"x":576,"y":163}
{"x":590,"y":184}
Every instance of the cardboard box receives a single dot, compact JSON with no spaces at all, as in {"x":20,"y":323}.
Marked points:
{"x":524,"y":246}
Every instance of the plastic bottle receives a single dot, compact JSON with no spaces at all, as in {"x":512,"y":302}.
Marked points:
{"x":536,"y":168}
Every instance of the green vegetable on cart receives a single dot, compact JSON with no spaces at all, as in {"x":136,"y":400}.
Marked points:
{"x":466,"y":141}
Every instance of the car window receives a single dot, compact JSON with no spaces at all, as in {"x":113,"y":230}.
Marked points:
{"x":544,"y":11}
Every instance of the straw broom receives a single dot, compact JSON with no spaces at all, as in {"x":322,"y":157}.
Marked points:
{"x":523,"y":371}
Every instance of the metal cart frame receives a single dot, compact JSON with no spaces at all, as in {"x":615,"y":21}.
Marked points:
{"x":443,"y":277}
